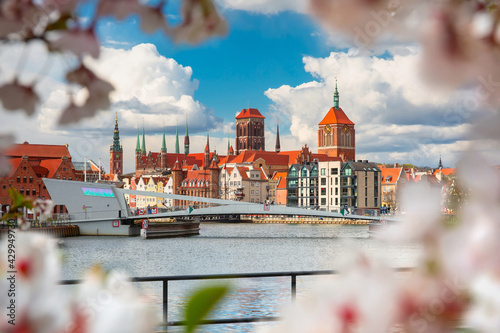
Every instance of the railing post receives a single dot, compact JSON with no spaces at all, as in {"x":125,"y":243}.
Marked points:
{"x":165,"y":303}
{"x":294,"y":286}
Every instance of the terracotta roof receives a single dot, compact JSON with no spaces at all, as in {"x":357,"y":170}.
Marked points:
{"x":390,"y":175}
{"x":336,"y":116}
{"x":277,"y":175}
{"x":40,"y":171}
{"x":445,"y":171}
{"x":243,"y":172}
{"x":51,"y":165}
{"x":199,"y":177}
{"x":14,"y":164}
{"x":282,"y":183}
{"x":38,"y":151}
{"x":249,"y":113}
{"x":262,"y":174}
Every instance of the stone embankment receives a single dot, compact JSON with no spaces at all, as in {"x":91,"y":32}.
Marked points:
{"x":58,"y":231}
{"x":302,"y":220}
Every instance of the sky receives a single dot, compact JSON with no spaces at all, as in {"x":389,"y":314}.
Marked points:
{"x":274,"y":58}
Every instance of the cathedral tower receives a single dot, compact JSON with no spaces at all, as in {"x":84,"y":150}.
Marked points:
{"x":336,"y":134}
{"x":250,"y":131}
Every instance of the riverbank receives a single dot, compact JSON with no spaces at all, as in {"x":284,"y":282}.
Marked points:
{"x":302,"y":220}
{"x":56,"y":231}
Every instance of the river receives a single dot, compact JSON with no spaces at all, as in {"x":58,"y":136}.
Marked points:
{"x":234,"y":248}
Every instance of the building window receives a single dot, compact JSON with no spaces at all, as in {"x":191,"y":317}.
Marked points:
{"x":323,"y":181}
{"x":336,"y":181}
{"x":252,"y":192}
{"x":323,"y":171}
{"x":28,"y":191}
{"x":366,"y":202}
{"x":323,"y":201}
{"x":323,"y":191}
{"x":24,"y":179}
{"x":257,"y":192}
{"x":376,"y":202}
{"x":336,"y":191}
{"x":31,"y":179}
{"x":335,"y":171}
{"x":336,"y":201}
{"x":18,"y":179}
{"x":304,"y":172}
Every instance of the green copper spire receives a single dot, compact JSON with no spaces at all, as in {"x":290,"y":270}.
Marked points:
{"x":143,"y":140}
{"x":186,"y":139}
{"x":336,"y":96}
{"x":116,"y":146}
{"x":177,"y":139}
{"x":228,"y":145}
{"x":138,"y":146}
{"x":163,"y":144}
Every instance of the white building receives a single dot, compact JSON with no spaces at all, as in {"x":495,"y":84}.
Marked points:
{"x":329,"y":185}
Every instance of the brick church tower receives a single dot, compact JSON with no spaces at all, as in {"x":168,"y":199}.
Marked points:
{"x":250,"y":131}
{"x":116,"y":152}
{"x":336,"y":134}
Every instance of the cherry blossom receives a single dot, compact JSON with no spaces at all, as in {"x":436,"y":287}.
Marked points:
{"x":44,"y":208}
{"x":201,"y":21}
{"x":118,"y":8}
{"x":15,"y":96}
{"x":78,"y":41}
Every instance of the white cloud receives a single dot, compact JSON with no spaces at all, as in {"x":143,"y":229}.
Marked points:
{"x":265,"y":6}
{"x":148,"y":86}
{"x":398,"y":118}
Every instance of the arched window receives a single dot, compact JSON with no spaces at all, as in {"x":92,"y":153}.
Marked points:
{"x":303,"y":173}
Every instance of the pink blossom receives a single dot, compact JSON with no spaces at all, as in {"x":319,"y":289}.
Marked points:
{"x":152,"y":19}
{"x":44,"y":208}
{"x":118,"y":8}
{"x":201,"y":21}
{"x":15,"y":96}
{"x":78,"y":41}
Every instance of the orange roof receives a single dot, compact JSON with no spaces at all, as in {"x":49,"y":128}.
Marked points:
{"x":249,"y":113}
{"x":14,"y":164}
{"x":51,"y":165}
{"x":38,"y":151}
{"x":336,"y":116}
{"x":262,"y":174}
{"x":278,"y":175}
{"x":390,"y":175}
{"x":243,"y":172}
{"x":282,"y":183}
{"x":445,"y":171}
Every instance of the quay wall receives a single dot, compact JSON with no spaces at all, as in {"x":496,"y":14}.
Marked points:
{"x":304,"y":220}
{"x":58,"y":231}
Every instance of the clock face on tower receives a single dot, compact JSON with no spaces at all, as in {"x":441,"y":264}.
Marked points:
{"x":346,"y":128}
{"x":328,"y":128}
{"x":117,"y":156}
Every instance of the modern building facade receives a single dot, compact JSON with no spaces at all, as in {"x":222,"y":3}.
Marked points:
{"x":302,"y":185}
{"x":360,"y":187}
{"x":329,"y":185}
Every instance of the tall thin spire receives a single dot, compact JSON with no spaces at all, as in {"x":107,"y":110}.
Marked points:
{"x":207,"y":147}
{"x":228,"y":145}
{"x":163,"y":144}
{"x":336,"y":96}
{"x":186,"y":139}
{"x":278,"y":146}
{"x":138,"y":146}
{"x":143,"y":150}
{"x":177,"y":138}
{"x":440,"y":166}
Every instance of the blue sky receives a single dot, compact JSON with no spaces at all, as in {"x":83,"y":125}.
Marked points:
{"x":274,"y":58}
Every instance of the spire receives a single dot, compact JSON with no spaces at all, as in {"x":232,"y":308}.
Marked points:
{"x":278,"y":146}
{"x":143,"y":150}
{"x":186,"y":139}
{"x":207,"y":147}
{"x":116,"y":146}
{"x":138,"y":146}
{"x":228,"y":145}
{"x":177,"y":138}
{"x":440,"y":166}
{"x":336,"y":96}
{"x":163,"y":144}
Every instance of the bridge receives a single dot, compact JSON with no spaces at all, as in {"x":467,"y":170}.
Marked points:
{"x":104,"y":204}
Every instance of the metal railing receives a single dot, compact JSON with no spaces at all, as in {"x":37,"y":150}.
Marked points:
{"x":166,"y":279}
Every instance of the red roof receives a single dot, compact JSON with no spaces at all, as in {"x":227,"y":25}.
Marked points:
{"x":278,"y":175}
{"x":390,"y":175}
{"x":282,"y":183}
{"x":445,"y":171}
{"x":38,"y":151}
{"x":51,"y":165}
{"x":249,"y":113}
{"x":336,"y":116}
{"x":243,"y":171}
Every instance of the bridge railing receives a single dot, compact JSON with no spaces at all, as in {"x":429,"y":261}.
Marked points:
{"x":165,"y":291}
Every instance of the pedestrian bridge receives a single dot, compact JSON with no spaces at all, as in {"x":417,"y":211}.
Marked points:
{"x":206,"y":207}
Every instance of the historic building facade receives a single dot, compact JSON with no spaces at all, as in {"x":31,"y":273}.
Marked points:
{"x":250,"y":131}
{"x":336,"y":134}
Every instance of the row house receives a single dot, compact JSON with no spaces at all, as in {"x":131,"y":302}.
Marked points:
{"x":392,"y":181}
{"x":243,"y":183}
